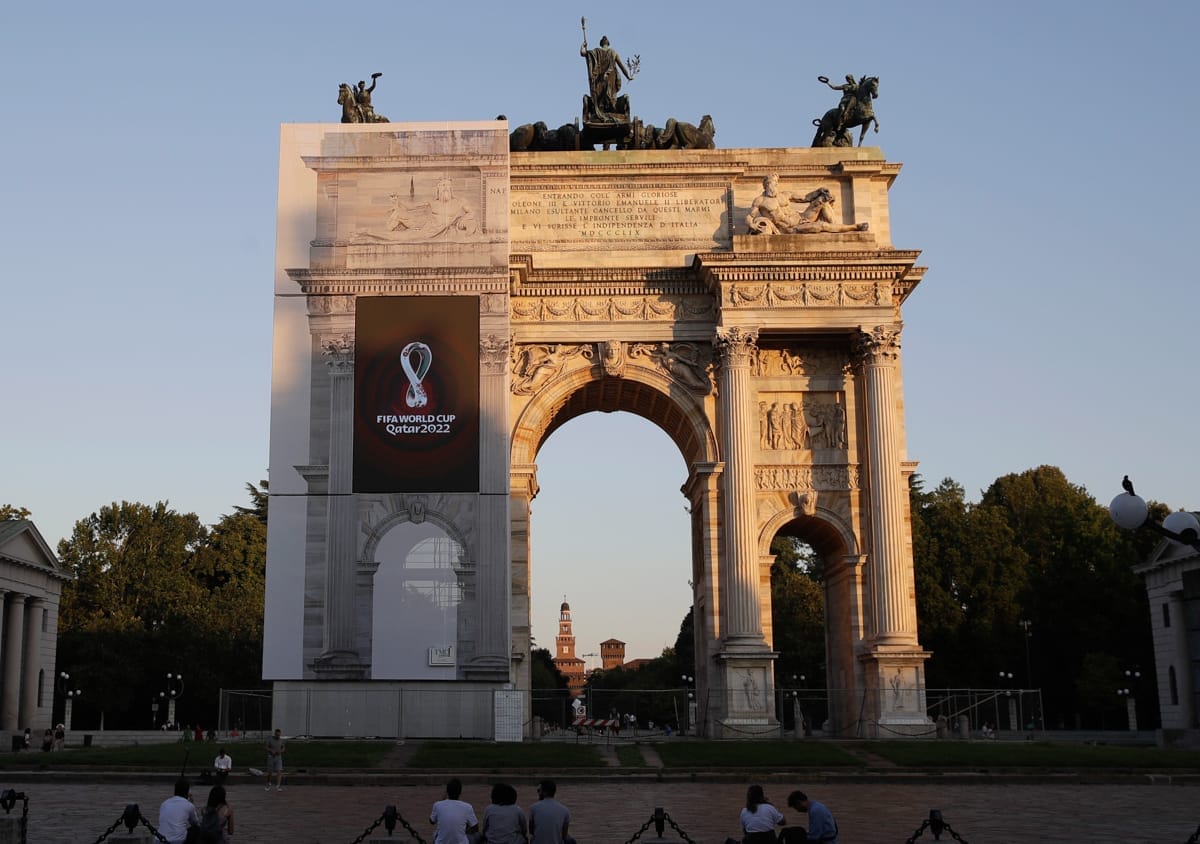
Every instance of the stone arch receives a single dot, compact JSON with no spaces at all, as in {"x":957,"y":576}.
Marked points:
{"x":414,"y":513}
{"x":643,"y":392}
{"x":827,"y":528}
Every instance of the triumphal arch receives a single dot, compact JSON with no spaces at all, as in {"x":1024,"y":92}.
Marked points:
{"x":443,"y":305}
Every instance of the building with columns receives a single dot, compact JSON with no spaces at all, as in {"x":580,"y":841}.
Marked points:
{"x":1172,"y":576}
{"x":31,"y":580}
{"x":404,"y":455}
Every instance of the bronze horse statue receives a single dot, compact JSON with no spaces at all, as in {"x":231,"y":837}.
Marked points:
{"x":834,"y":131}
{"x":351,"y":113}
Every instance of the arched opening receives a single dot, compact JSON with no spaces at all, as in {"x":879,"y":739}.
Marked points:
{"x":813,"y":619}
{"x":417,"y":591}
{"x":610,"y":535}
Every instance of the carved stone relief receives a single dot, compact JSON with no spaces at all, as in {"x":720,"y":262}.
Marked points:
{"x":324,"y":305}
{"x":811,"y":294}
{"x":801,"y":425}
{"x":612,"y":357}
{"x":798,"y":361}
{"x":639,"y":308}
{"x":833,"y":478}
{"x":688,"y":363}
{"x":533,"y":364}
{"x":339,"y":353}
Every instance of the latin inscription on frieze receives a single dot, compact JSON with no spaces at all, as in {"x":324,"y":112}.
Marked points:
{"x":644,"y":216}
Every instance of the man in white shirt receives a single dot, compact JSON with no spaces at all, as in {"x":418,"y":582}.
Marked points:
{"x":454,"y":818}
{"x":177,"y":813}
{"x":222,"y":765}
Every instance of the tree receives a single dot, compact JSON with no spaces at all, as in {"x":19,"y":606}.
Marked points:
{"x":797,"y":612}
{"x":1082,"y":595}
{"x":157,"y":592}
{"x":969,"y":575}
{"x":259,"y":499}
{"x":8,"y":511}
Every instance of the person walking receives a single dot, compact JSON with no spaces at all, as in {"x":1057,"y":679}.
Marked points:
{"x":759,"y":818}
{"x":549,"y":820}
{"x":503,"y":821}
{"x":177,"y":813}
{"x":275,"y":748}
{"x":454,"y":818}
{"x":821,"y":825}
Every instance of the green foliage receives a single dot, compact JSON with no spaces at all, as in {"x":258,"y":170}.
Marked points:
{"x":797,"y":612}
{"x":8,"y":511}
{"x":1035,"y":548}
{"x":753,"y":754}
{"x":458,"y":756}
{"x":157,"y":592}
{"x":543,"y":672}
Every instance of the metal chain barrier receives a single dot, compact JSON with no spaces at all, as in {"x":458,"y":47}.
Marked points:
{"x":389,"y":819}
{"x":1194,"y":837}
{"x":8,"y":799}
{"x":131,"y":817}
{"x":660,"y":819}
{"x":936,"y":824}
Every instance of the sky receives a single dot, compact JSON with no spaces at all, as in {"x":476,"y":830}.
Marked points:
{"x":1048,"y":179}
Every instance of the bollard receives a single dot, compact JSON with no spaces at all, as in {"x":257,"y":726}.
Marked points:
{"x":936,"y":824}
{"x":13,"y":828}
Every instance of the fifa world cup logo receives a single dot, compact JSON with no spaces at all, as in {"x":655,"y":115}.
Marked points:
{"x":415,"y":360}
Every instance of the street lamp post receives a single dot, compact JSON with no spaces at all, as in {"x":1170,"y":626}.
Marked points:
{"x":1130,"y":511}
{"x":173,"y":693}
{"x":1006,"y":680}
{"x":1129,"y":692}
{"x":689,"y":683}
{"x":69,"y":695}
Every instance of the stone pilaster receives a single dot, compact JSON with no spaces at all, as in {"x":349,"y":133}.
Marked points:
{"x":339,"y":657}
{"x":32,"y":662}
{"x":894,"y":617}
{"x":493,"y":582}
{"x":14,"y":629}
{"x":739,"y":435}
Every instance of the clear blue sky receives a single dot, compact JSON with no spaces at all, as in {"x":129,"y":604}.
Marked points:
{"x":1048,"y":178}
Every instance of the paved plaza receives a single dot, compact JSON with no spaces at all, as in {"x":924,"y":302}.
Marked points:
{"x":62,"y":812}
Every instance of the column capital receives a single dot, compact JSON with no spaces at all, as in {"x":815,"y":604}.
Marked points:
{"x":493,"y":354}
{"x":878,"y":344}
{"x":339,"y":354}
{"x":736,"y":345}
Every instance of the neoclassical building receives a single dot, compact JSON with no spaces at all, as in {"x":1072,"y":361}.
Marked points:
{"x":1172,"y":576}
{"x":31,"y":580}
{"x":443,"y":305}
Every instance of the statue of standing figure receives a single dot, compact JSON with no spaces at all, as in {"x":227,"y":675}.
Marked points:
{"x":605,"y":68}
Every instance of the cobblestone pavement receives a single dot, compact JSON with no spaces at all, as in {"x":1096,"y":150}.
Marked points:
{"x":604,"y":812}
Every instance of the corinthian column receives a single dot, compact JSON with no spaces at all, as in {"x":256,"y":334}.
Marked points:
{"x":340,"y":551}
{"x":739,"y":435}
{"x":878,"y":352}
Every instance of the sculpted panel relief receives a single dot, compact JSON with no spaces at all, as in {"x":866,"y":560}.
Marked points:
{"x":807,"y":362}
{"x":688,"y":363}
{"x":613,"y":309}
{"x":831,"y":478}
{"x":791,"y":423}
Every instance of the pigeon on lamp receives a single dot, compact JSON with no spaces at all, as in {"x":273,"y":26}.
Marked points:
{"x":1127,"y":485}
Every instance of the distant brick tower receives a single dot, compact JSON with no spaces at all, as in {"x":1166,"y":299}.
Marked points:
{"x":564,"y":652}
{"x":612,"y":654}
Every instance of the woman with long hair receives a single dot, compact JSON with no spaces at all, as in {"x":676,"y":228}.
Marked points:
{"x":217,"y":817}
{"x":759,"y":818}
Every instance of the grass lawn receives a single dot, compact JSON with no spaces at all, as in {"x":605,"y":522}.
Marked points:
{"x":299,"y":755}
{"x":1032,"y":754}
{"x":753,"y":754}
{"x":629,"y":756}
{"x":456,"y":756}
